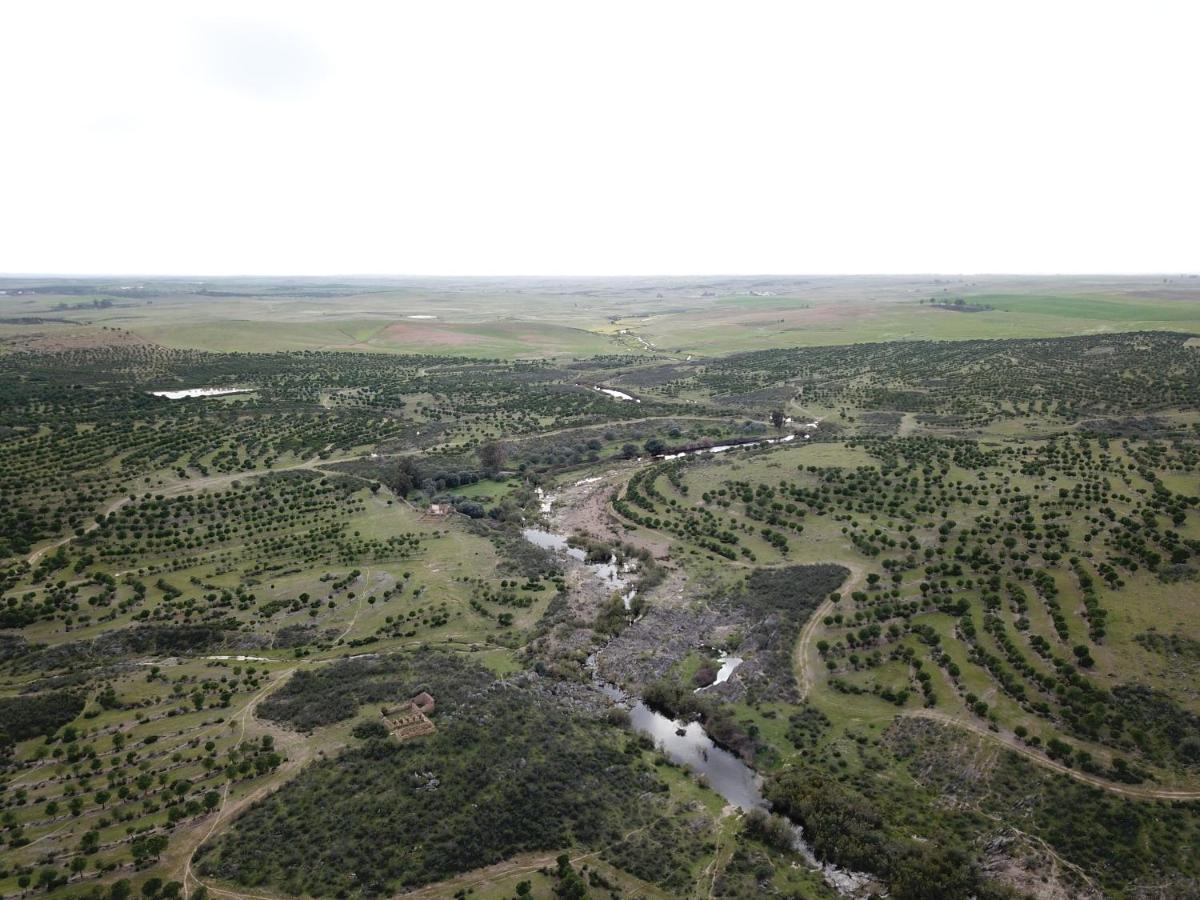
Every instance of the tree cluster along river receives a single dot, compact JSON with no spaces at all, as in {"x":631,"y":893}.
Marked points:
{"x":687,"y":744}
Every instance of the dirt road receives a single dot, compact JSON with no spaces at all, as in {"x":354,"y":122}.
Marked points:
{"x":299,"y":752}
{"x":1012,"y":742}
{"x":802,"y":659}
{"x":806,"y":661}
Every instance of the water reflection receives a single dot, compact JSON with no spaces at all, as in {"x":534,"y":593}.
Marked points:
{"x":728,"y":664}
{"x":687,"y":744}
{"x":725,"y":773}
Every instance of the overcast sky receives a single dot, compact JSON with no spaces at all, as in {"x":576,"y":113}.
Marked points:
{"x":649,"y":137}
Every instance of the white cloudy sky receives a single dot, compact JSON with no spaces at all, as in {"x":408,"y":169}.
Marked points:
{"x":599,"y":137}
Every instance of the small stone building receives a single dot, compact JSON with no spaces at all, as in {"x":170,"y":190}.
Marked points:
{"x":412,"y":719}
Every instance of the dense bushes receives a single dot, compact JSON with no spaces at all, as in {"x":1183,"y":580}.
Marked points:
{"x":40,"y":714}
{"x":333,"y":693}
{"x":1119,"y":842}
{"x":839,"y":825}
{"x":155,"y":640}
{"x":1161,"y":728}
{"x":780,"y":601}
{"x":506,"y":772}
{"x":846,"y":828}
{"x":794,"y":590}
{"x":663,"y":853}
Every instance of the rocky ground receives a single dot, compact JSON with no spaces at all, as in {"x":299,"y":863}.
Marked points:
{"x":677,"y":620}
{"x":646,"y":650}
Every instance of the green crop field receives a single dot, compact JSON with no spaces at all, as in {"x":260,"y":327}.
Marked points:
{"x":510,"y":318}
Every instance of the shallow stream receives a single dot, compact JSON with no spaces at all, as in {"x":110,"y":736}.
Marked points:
{"x":688,"y":744}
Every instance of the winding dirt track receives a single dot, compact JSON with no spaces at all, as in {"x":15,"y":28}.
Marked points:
{"x":517,"y":865}
{"x":227,"y":809}
{"x":806,"y":678}
{"x":801,"y":658}
{"x":362,"y":598}
{"x":1012,"y":742}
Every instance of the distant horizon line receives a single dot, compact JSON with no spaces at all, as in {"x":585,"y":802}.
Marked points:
{"x":368,"y":275}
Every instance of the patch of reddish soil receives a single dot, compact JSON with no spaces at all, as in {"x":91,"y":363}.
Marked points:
{"x":417,"y":333}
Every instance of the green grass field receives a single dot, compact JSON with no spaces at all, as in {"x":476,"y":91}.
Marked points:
{"x":511,"y":319}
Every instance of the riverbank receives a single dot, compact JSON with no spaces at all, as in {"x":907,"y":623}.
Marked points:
{"x":684,"y":743}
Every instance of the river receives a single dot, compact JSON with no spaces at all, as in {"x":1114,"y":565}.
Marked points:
{"x":721,"y":448}
{"x":728,"y":665}
{"x":725,"y":773}
{"x":617,"y":395}
{"x":187,"y":393}
{"x":613,"y":573}
{"x":688,"y":744}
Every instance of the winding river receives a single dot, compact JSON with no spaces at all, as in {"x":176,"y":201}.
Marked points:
{"x":688,"y":744}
